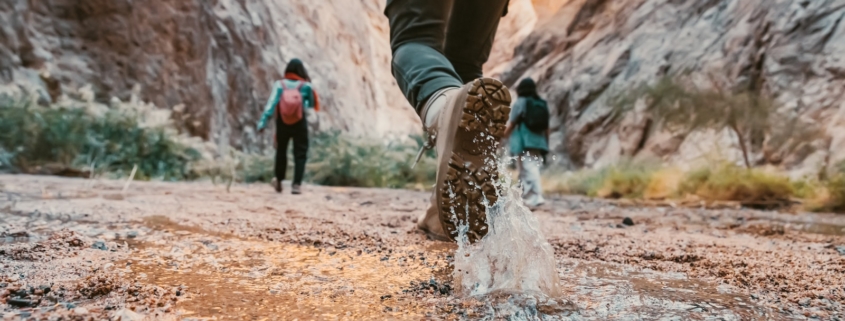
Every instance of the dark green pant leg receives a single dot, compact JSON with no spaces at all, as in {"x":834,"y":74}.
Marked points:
{"x":417,"y":37}
{"x":470,"y":33}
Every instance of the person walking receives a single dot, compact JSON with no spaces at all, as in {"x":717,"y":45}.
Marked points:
{"x":528,"y":130}
{"x":288,"y":99}
{"x":439,"y":48}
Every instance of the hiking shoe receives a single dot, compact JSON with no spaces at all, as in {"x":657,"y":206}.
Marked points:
{"x":429,"y":223}
{"x":466,"y":134}
{"x":277,"y":185}
{"x":296,"y":189}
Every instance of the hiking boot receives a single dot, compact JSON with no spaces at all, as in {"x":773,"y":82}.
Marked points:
{"x":296,"y":189}
{"x":465,"y":131}
{"x":430,"y":224}
{"x":277,"y":185}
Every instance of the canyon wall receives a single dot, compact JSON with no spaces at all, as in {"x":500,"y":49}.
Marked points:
{"x":591,"y":50}
{"x":216,"y":60}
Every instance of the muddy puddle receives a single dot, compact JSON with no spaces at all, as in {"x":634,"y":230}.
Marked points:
{"x":231,"y":278}
{"x":607,"y":291}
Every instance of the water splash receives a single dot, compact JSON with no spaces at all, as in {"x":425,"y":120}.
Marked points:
{"x":513,"y":264}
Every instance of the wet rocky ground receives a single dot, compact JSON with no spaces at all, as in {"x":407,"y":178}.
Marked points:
{"x":73,"y":249}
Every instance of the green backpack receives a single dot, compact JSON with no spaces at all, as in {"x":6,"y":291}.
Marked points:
{"x":536,"y":115}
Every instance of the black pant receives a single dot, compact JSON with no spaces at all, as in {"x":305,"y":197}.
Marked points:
{"x":440,"y":43}
{"x":284,"y":133}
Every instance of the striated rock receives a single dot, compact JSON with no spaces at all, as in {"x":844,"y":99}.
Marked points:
{"x":214,"y":60}
{"x":513,"y":29}
{"x":591,"y":50}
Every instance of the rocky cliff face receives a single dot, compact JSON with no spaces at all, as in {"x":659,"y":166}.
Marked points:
{"x":215,"y":60}
{"x":793,"y":50}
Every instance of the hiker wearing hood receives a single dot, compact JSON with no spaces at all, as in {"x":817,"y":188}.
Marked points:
{"x":288,"y":100}
{"x":528,"y":132}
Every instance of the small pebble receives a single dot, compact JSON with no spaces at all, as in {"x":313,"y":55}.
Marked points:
{"x":19,"y":302}
{"x":99,"y":245}
{"x":628,"y":221}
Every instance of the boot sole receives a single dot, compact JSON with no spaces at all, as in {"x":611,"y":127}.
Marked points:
{"x":467,"y":185}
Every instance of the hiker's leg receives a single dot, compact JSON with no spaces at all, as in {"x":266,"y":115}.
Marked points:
{"x":417,"y":33}
{"x":463,"y":122}
{"x":520,"y":168}
{"x":282,"y":139}
{"x":300,"y":152}
{"x":533,"y":184}
{"x":470,"y":34}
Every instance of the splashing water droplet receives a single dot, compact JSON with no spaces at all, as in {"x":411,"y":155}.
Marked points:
{"x":514,"y":264}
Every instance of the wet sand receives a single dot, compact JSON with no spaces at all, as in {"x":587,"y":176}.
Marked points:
{"x":81,"y":249}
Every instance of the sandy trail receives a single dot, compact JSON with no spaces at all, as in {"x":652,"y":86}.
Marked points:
{"x":80,"y":249}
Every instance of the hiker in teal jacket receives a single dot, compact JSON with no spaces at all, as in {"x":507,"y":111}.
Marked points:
{"x":295,"y":75}
{"x":529,"y":147}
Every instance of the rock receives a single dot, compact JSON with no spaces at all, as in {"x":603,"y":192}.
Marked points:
{"x":132,"y":234}
{"x":805,"y":302}
{"x":100,"y":245}
{"x":628,"y":221}
{"x":841,"y":249}
{"x":127,"y":315}
{"x":222,"y":70}
{"x":589,"y":51}
{"x":20,"y":303}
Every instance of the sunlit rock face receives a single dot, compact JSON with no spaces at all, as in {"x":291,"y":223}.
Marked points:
{"x":217,"y":58}
{"x":588,"y":50}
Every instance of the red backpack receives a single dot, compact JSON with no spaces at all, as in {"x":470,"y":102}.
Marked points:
{"x":290,"y":105}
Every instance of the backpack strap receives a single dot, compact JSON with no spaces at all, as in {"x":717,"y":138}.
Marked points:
{"x":520,"y":119}
{"x":298,"y":87}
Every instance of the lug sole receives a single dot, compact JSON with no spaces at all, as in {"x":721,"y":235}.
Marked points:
{"x":468,"y":187}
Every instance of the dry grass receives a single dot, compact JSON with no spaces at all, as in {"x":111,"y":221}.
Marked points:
{"x":752,"y":187}
{"x":664,"y":184}
{"x":827,"y":196}
{"x":727,"y":182}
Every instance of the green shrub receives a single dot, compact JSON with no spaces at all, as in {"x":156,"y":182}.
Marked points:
{"x":336,"y":160}
{"x":583,"y":182}
{"x":623,"y":180}
{"x":35,"y":136}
